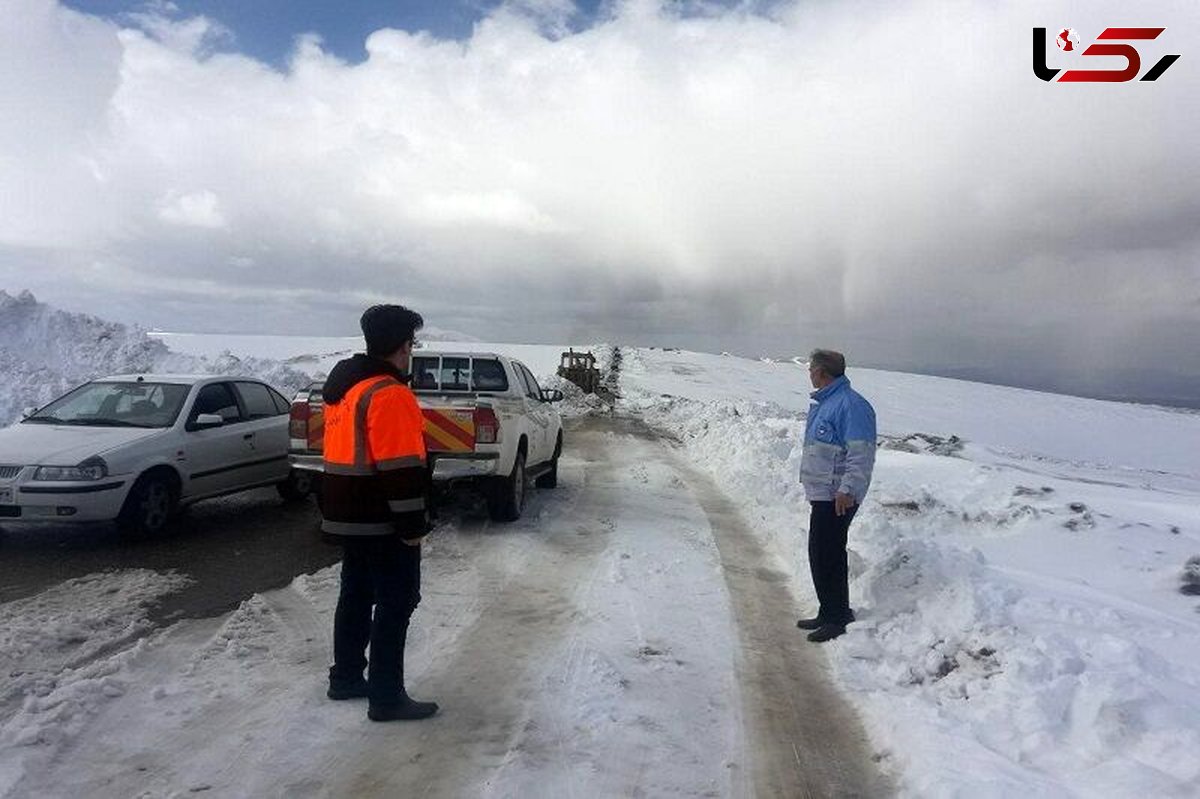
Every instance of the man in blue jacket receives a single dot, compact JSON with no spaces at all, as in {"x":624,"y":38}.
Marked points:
{"x":839,"y":455}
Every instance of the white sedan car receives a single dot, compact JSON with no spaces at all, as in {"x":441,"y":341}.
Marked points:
{"x":133,"y":448}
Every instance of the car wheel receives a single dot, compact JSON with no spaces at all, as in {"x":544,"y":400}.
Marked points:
{"x":507,"y":497}
{"x":149,"y":507}
{"x":298,"y":485}
{"x":549,"y":478}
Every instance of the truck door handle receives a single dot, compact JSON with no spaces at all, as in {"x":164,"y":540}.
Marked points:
{"x":248,"y":436}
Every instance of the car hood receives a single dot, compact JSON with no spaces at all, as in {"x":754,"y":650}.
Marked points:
{"x":62,"y":445}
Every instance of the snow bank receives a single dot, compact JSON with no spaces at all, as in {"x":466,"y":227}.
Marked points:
{"x":1024,"y":624}
{"x":44,"y":352}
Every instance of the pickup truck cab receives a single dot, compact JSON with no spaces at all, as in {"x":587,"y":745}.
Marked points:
{"x":487,"y":422}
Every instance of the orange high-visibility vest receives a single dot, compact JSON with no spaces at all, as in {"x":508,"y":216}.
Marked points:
{"x":375,"y":462}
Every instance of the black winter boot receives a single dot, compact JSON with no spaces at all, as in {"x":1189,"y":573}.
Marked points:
{"x":347,"y":690}
{"x":817,"y":622}
{"x":407,"y":709}
{"x":826,"y":632}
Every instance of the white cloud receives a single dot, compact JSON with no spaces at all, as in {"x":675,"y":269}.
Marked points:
{"x":889,"y":174}
{"x":199,"y":209}
{"x":491,"y":209}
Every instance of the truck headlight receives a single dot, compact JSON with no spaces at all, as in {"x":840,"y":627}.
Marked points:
{"x":91,"y":469}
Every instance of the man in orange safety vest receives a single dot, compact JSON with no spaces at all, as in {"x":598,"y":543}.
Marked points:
{"x":374,"y":502}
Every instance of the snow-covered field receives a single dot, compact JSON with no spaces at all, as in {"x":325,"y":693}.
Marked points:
{"x":1028,"y":619}
{"x":1029,"y":624}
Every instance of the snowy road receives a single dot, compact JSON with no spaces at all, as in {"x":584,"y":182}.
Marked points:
{"x":628,"y":637}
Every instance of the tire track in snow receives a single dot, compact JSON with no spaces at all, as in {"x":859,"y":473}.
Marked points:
{"x":487,"y":682}
{"x":804,"y":739}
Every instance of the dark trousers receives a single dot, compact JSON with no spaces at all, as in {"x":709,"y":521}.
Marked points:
{"x":827,"y":560}
{"x":384,"y":573}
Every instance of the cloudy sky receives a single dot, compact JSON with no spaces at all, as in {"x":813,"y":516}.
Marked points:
{"x":888,"y":178}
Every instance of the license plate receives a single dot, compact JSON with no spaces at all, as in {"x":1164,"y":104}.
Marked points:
{"x":6,"y":495}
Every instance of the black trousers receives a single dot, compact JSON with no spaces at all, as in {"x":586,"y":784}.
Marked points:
{"x":827,"y":560}
{"x":384,"y":573}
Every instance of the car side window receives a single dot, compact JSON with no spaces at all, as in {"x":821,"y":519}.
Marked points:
{"x":256,"y":400}
{"x":282,"y":406}
{"x":522,"y":381}
{"x":216,"y":398}
{"x":535,"y":391}
{"x":488,"y":375}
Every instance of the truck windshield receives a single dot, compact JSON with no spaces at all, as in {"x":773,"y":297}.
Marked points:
{"x":114,"y":404}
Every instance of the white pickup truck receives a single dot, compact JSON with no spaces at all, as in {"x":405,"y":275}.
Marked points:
{"x":487,"y":421}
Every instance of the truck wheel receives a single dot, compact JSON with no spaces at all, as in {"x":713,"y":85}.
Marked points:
{"x":506,"y":500}
{"x":549,"y":479}
{"x":298,"y":485}
{"x":149,"y":507}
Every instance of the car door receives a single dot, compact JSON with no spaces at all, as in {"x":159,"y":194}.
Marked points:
{"x":213,"y":456}
{"x":538,"y":414}
{"x":266,"y":433}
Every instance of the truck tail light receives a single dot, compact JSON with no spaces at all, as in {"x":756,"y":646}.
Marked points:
{"x":298,"y":421}
{"x":487,"y":426}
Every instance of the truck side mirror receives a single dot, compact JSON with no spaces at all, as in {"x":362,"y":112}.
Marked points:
{"x":551,"y":395}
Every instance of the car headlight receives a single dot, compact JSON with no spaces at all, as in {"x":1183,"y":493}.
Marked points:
{"x":91,"y":469}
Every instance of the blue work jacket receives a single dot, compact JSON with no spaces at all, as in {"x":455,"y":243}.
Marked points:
{"x":839,"y":443}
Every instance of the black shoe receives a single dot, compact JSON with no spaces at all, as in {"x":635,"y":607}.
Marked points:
{"x":354,"y":690}
{"x":826,"y":632}
{"x":816,"y":622}
{"x":405,"y":710}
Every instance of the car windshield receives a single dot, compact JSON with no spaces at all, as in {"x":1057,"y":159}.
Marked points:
{"x":114,"y":404}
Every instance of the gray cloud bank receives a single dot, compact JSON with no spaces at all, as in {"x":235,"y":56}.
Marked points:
{"x":886,"y":177}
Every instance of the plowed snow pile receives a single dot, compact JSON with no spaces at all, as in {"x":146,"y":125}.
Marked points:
{"x":45,"y":351}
